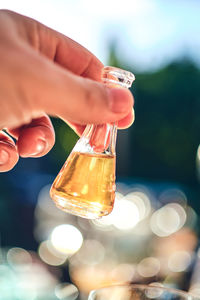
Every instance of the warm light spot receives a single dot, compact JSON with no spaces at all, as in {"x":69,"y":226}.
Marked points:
{"x":65,"y":291}
{"x":92,"y":252}
{"x":179,"y":261}
{"x":90,"y":277}
{"x":149,"y":267}
{"x":123,"y":273}
{"x":66,"y":239}
{"x":141,"y":200}
{"x":154,"y":291}
{"x":19,"y":258}
{"x":125,"y":215}
{"x":48,"y":254}
{"x":168,"y":219}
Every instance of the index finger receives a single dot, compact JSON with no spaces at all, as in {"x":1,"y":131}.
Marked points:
{"x":68,"y":53}
{"x":78,"y":59}
{"x":56,"y":46}
{"x":124,"y":123}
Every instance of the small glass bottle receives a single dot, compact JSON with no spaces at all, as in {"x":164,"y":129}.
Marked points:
{"x":85,"y":186}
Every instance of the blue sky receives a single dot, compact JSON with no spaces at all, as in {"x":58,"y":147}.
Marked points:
{"x":148,"y":33}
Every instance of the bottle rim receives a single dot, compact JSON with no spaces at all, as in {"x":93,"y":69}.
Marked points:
{"x":117,"y":76}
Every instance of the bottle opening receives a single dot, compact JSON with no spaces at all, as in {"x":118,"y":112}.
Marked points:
{"x":115,"y":76}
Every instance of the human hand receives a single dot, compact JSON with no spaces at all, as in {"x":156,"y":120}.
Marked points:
{"x":43,"y":72}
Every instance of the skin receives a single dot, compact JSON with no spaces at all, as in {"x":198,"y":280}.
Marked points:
{"x":43,"y":72}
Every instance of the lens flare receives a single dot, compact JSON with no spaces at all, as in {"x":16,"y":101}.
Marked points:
{"x":141,"y":200}
{"x":91,"y":253}
{"x":125,"y":215}
{"x":168,"y":219}
{"x":149,"y":267}
{"x":66,"y":291}
{"x":155,"y":292}
{"x":49,"y":255}
{"x":123,"y":273}
{"x":19,"y":258}
{"x":66,"y":239}
{"x":179,"y":261}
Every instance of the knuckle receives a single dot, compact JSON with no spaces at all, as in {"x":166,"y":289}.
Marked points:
{"x":95,"y":96}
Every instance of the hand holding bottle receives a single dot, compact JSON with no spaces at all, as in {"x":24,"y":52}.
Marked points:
{"x":85,"y":186}
{"x":44,"y":72}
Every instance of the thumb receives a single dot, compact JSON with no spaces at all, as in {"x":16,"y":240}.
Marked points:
{"x":80,"y":100}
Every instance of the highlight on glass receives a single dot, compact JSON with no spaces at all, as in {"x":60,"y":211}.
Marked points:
{"x":139,"y":292}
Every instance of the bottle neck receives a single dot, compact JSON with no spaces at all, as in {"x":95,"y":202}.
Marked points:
{"x":101,"y":138}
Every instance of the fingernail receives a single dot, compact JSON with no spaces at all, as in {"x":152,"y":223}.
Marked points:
{"x":4,"y":156}
{"x":40,"y":147}
{"x":118,"y":100}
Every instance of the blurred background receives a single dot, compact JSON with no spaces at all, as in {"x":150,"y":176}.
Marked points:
{"x":153,"y":233}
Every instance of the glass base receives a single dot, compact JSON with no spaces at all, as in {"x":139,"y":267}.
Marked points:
{"x":81,"y":209}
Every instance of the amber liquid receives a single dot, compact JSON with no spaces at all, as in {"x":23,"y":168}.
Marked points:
{"x":85,"y":185}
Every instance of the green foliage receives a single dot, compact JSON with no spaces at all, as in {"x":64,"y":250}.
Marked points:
{"x":65,"y":141}
{"x":166,"y":132}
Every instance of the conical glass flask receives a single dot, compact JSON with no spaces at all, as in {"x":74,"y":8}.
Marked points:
{"x":85,"y":186}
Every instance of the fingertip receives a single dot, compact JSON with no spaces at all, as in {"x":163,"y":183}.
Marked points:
{"x":127,"y":121}
{"x":120,"y":100}
{"x":8,"y":156}
{"x":35,"y":141}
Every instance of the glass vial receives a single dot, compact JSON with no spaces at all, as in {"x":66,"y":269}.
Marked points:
{"x":85,"y":186}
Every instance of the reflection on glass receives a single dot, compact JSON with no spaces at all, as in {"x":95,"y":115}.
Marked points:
{"x":139,"y":292}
